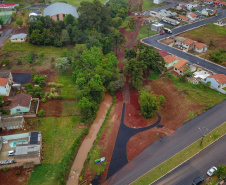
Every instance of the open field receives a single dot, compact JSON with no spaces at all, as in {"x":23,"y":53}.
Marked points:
{"x":180,"y":157}
{"x":59,"y":135}
{"x":145,"y":31}
{"x":149,"y":5}
{"x":68,"y":90}
{"x":77,"y":2}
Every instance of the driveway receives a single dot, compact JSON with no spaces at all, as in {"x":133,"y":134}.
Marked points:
{"x":213,"y":155}
{"x":153,"y":41}
{"x":5,"y":36}
{"x":158,"y":152}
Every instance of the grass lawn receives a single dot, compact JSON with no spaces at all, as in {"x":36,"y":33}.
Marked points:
{"x":224,"y":88}
{"x":154,"y":75}
{"x":149,"y":5}
{"x":199,"y":93}
{"x":77,"y":2}
{"x":68,"y":90}
{"x":27,"y":47}
{"x":58,"y":134}
{"x":69,"y":108}
{"x":180,"y":157}
{"x":145,"y":31}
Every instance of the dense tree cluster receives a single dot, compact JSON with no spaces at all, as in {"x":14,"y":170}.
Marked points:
{"x":149,"y":103}
{"x":96,"y":26}
{"x":93,"y":73}
{"x":141,"y":61}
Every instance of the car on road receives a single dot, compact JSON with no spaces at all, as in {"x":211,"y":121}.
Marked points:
{"x":162,"y":33}
{"x":167,"y":30}
{"x":211,"y":171}
{"x":198,"y":181}
{"x":10,"y":161}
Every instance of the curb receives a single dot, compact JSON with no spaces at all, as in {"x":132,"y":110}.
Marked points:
{"x":183,"y":161}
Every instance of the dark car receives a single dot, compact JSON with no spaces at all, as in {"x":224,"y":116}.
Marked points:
{"x":198,"y":181}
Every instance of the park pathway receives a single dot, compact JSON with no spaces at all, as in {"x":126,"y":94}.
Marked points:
{"x":87,"y":144}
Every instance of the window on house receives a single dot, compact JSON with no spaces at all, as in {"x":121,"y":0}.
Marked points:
{"x":17,"y":110}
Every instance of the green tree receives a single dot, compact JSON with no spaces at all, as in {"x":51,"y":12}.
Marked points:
{"x":117,"y":39}
{"x":221,"y":171}
{"x":13,"y":16}
{"x":65,"y":36}
{"x":134,"y":69}
{"x":130,"y":53}
{"x":69,"y":20}
{"x":149,"y":104}
{"x":116,"y":22}
{"x":1,"y":22}
{"x":1,"y":101}
{"x":63,"y":64}
{"x":85,"y":107}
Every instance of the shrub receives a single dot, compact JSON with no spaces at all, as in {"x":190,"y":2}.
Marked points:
{"x":39,"y":79}
{"x":41,"y":113}
{"x":161,"y":99}
{"x":43,"y":100}
{"x":5,"y":169}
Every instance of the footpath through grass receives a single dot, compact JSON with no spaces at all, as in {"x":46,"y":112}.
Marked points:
{"x":180,"y":157}
{"x":199,"y":93}
{"x":61,"y":137}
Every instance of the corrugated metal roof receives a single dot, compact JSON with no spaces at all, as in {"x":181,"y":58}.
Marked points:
{"x":60,"y":8}
{"x":21,"y":36}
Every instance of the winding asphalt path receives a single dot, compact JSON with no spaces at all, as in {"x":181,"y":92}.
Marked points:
{"x":119,"y":156}
{"x":153,"y":41}
{"x":158,"y":152}
{"x":213,"y":155}
{"x":5,"y":36}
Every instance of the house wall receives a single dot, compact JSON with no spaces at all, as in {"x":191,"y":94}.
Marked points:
{"x":204,"y":12}
{"x":189,"y":47}
{"x":18,"y":40}
{"x":58,"y":17}
{"x":20,"y":109}
{"x":200,"y":50}
{"x":4,"y":89}
{"x":178,"y":71}
{"x":215,"y":84}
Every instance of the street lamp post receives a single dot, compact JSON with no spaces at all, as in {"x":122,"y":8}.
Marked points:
{"x":204,"y":132}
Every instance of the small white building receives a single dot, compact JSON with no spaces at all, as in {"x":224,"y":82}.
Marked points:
{"x":221,"y":23}
{"x":218,"y":81}
{"x":170,"y":21}
{"x":201,"y":74}
{"x":188,"y":44}
{"x":200,"y":47}
{"x":21,"y":37}
{"x":157,"y":1}
{"x":158,"y":27}
{"x":181,"y":67}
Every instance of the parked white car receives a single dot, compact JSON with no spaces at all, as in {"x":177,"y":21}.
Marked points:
{"x":211,"y":171}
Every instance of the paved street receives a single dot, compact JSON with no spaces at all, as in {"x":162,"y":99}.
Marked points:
{"x":213,"y":155}
{"x":211,"y":66}
{"x":158,"y":152}
{"x":5,"y":36}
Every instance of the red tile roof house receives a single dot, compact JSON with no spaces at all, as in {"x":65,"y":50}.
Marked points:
{"x":192,"y":16}
{"x":188,"y":44}
{"x":170,"y":60}
{"x":218,"y":81}
{"x":200,"y":47}
{"x":21,"y":103}
{"x":181,"y":67}
{"x":4,"y":86}
{"x":183,"y":18}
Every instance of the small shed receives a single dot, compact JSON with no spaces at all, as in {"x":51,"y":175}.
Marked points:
{"x":157,"y":27}
{"x":19,"y":37}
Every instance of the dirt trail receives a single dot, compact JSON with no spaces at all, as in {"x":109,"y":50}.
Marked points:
{"x":88,"y":141}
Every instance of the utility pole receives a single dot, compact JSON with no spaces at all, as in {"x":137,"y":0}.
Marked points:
{"x":204,"y":131}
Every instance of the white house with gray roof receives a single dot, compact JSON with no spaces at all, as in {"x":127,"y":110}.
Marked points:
{"x":21,"y":37}
{"x":58,"y":11}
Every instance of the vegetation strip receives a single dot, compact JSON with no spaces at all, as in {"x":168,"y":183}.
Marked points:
{"x":181,"y":157}
{"x":90,"y":154}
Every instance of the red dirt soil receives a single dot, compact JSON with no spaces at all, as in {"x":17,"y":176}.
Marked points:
{"x":10,"y":177}
{"x":174,"y":113}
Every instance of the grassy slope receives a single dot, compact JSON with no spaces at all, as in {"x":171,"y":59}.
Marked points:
{"x":58,"y":135}
{"x":199,"y":93}
{"x":145,"y":31}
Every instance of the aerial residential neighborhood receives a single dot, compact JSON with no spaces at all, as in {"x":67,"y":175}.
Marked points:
{"x":113,"y":92}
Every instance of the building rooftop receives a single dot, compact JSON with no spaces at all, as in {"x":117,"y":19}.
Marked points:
{"x":19,"y":36}
{"x":200,"y":45}
{"x":181,"y":65}
{"x":189,"y":41}
{"x":60,"y":8}
{"x":170,"y":58}
{"x":5,"y":73}
{"x":163,"y":53}
{"x":220,"y":78}
{"x":183,"y":17}
{"x":11,"y":120}
{"x":3,"y":81}
{"x":22,"y":100}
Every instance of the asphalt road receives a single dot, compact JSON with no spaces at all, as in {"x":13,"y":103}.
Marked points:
{"x":158,"y":152}
{"x":213,"y":155}
{"x":5,"y":36}
{"x":153,"y":41}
